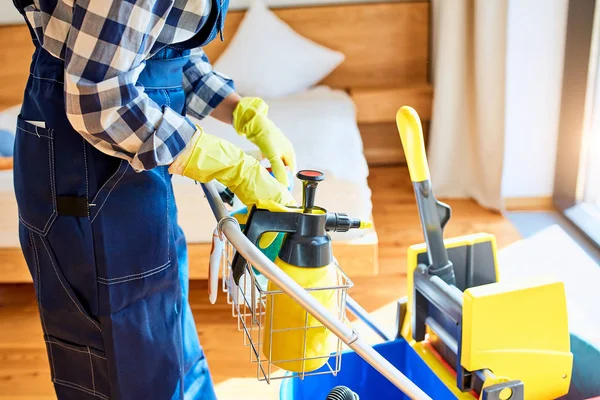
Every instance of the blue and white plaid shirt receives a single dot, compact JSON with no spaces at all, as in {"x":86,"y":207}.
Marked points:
{"x":104,"y":45}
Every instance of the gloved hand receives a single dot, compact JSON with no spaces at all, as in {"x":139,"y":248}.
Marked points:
{"x":250,"y":119}
{"x":208,"y":157}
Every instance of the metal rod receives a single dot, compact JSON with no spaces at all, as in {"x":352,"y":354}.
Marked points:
{"x":470,"y":267}
{"x":363,"y":315}
{"x":265,"y":266}
{"x":214,"y":201}
{"x":442,"y":334}
{"x":452,"y":291}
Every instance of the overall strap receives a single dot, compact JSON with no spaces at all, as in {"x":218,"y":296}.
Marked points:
{"x":214,"y":25}
{"x":21,"y":4}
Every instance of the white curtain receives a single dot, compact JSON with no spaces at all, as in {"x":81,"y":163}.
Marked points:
{"x":466,"y":142}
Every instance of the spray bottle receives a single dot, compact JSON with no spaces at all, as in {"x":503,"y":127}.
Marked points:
{"x":293,"y":340}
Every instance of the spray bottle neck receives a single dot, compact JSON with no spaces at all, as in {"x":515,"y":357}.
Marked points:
{"x":310,"y":245}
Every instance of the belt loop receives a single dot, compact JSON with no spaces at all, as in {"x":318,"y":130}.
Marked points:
{"x":72,"y":206}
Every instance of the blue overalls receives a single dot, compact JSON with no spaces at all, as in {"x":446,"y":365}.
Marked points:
{"x":102,"y":243}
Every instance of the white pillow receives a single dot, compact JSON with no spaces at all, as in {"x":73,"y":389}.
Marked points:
{"x":266,"y":58}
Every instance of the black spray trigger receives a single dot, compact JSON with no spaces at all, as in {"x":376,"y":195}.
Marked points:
{"x":261,"y":221}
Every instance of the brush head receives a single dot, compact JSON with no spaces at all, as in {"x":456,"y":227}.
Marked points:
{"x":342,"y":393}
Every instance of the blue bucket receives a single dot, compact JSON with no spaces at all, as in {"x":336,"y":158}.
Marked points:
{"x":367,"y":382}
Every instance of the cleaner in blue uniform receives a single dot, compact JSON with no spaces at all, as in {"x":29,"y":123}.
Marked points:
{"x":102,"y":129}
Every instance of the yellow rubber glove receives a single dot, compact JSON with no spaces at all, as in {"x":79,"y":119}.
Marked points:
{"x":208,"y":157}
{"x":250,"y":119}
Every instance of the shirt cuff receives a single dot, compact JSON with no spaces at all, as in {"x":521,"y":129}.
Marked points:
{"x":169,"y":139}
{"x":181,"y":161}
{"x":208,"y":94}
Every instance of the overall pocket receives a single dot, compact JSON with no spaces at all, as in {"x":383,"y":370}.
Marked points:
{"x":131,"y":225}
{"x":34,"y":179}
{"x":79,"y":368}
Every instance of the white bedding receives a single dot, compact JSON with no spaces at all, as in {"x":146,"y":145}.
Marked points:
{"x":321,"y":125}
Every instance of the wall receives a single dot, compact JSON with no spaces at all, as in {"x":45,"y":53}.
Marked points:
{"x":535,"y":49}
{"x":9,"y":14}
{"x":241,"y":4}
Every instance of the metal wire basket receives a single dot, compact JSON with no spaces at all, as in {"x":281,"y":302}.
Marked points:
{"x":250,"y":302}
{"x":250,"y":305}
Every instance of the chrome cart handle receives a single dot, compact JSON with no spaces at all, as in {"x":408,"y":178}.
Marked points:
{"x":231,"y":229}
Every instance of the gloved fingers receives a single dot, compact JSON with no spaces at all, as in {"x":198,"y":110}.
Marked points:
{"x":274,"y":206}
{"x":244,"y":114}
{"x":289,"y":159}
{"x":279,"y":171}
{"x":257,"y":183}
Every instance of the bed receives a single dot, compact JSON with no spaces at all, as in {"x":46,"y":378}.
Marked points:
{"x":316,"y":122}
{"x":337,"y":126}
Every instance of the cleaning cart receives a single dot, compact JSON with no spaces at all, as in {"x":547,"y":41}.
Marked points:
{"x":461,"y":332}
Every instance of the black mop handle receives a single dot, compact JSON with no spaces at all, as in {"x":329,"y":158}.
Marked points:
{"x":434,"y":214}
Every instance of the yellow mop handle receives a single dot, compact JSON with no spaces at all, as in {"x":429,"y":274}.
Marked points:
{"x":411,"y":135}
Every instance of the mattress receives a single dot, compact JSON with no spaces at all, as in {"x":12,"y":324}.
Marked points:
{"x":320,"y":123}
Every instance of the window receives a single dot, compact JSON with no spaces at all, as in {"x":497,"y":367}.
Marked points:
{"x":577,"y":178}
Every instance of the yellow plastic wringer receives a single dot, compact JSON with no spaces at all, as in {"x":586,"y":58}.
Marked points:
{"x":482,"y":337}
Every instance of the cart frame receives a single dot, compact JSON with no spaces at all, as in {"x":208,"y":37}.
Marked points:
{"x":230,"y":228}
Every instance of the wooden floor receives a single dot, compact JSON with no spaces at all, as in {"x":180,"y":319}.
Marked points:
{"x":24,"y":371}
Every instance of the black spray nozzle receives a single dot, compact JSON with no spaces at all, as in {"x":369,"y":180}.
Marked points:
{"x":306,"y":243}
{"x":338,"y":222}
{"x":310,"y":179}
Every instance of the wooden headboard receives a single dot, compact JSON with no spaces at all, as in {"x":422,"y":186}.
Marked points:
{"x":387,"y":62}
{"x":386,"y":47}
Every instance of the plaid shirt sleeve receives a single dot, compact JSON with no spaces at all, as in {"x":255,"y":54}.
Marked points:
{"x":107,"y":44}
{"x":205,"y":88}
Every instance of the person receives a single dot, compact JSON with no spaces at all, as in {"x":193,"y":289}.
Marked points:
{"x":103,"y":126}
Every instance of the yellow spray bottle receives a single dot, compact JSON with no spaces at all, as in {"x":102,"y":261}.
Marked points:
{"x":293,"y":339}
